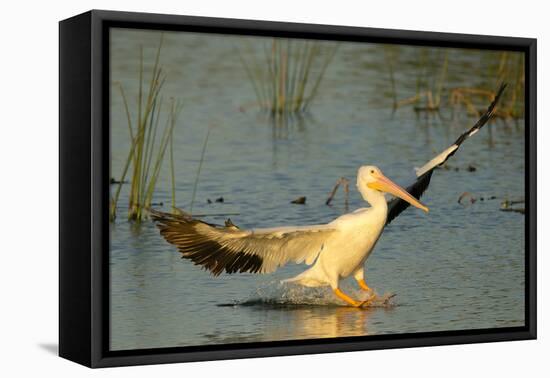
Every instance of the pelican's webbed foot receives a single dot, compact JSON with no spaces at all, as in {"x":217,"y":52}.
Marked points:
{"x":363,"y":285}
{"x":349,"y":300}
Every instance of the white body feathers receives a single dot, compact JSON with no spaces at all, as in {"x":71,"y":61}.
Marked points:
{"x":346,"y":250}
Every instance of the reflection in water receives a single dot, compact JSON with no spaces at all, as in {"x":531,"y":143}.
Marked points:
{"x":284,"y":125}
{"x":303,"y":322}
{"x":287,"y":311}
{"x":456,"y":268}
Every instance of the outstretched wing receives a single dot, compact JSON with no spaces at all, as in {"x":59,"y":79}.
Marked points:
{"x":396,"y":206}
{"x":233,"y":250}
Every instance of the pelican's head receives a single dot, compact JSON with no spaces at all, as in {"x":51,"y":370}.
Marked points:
{"x":370,"y":178}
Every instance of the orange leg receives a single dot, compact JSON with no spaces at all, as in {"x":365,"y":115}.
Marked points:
{"x":363,"y":285}
{"x":346,"y":298}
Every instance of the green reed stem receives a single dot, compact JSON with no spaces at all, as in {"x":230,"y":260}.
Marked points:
{"x":195,"y":185}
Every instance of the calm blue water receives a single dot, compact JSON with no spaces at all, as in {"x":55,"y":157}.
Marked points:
{"x":454,"y":268}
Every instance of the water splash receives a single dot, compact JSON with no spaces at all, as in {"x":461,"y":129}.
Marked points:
{"x":281,"y":294}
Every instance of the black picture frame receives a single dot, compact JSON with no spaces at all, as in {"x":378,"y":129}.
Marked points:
{"x":84,"y":188}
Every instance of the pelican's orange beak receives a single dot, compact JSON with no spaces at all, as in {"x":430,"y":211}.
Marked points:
{"x":384,"y":184}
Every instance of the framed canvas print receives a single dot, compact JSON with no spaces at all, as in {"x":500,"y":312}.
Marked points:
{"x":233,"y":188}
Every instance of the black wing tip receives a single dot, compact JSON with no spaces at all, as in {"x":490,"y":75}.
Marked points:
{"x":179,"y":230}
{"x":485,"y":117}
{"x":500,"y":91}
{"x":216,"y":258}
{"x":397,"y":205}
{"x":492,"y":106}
{"x":158,"y":216}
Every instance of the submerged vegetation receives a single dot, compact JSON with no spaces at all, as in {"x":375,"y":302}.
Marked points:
{"x":506,"y":68}
{"x":286,"y":76}
{"x":203,"y":152}
{"x":148,"y":141}
{"x":434,"y":88}
{"x":430,"y":77}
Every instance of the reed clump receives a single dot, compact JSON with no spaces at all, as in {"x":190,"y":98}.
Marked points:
{"x":433,"y":91}
{"x":148,"y":141}
{"x":430,"y":80}
{"x":509,"y":69}
{"x":287,"y":75}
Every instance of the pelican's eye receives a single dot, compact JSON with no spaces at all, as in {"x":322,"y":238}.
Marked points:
{"x":372,"y":171}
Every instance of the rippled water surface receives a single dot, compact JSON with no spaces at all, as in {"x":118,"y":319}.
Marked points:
{"x":455,"y":268}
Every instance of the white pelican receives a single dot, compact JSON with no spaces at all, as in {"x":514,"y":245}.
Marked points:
{"x":337,"y":250}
